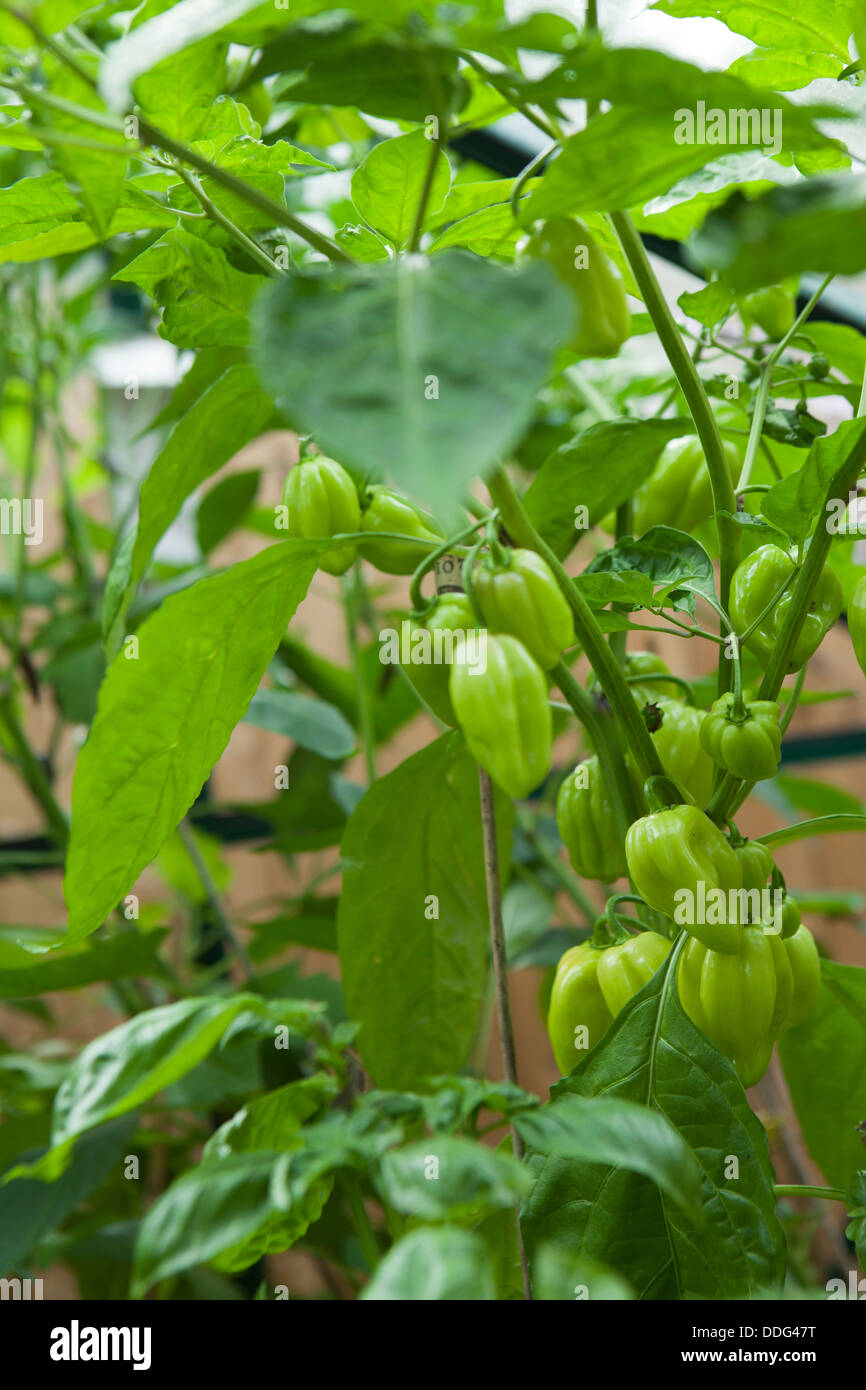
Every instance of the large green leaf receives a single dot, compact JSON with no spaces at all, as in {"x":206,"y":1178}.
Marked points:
{"x":166,"y":714}
{"x":823,"y":1063}
{"x":598,"y":470}
{"x":24,"y":974}
{"x":415,"y":980}
{"x":205,"y":300}
{"x":654,"y":1056}
{"x":795,"y":501}
{"x":424,"y":370}
{"x":819,"y":26}
{"x":622,"y":1134}
{"x":387,"y":185}
{"x":818,"y":224}
{"x":313,"y":724}
{"x":434,"y":1265}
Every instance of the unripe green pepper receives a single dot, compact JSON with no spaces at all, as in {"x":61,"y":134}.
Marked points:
{"x":756,"y":862}
{"x":447,"y":613}
{"x":578,"y":1016}
{"x":517,"y":594}
{"x":806,"y":972}
{"x":385,"y":510}
{"x":755,"y":581}
{"x":680,"y":747}
{"x":670,"y":852}
{"x":857,"y":622}
{"x":601,"y":311}
{"x":502,"y":707}
{"x":624,"y":970}
{"x":790,"y":918}
{"x":322,"y":501}
{"x":772,"y":308}
{"x":678,"y":492}
{"x":733,"y":999}
{"x":749,"y":747}
{"x":588,"y":824}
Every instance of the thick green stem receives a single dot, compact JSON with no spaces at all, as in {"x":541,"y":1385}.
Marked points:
{"x":724,"y":499}
{"x":231,"y":228}
{"x":589,"y":634}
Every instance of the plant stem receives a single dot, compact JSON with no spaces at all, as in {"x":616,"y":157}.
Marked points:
{"x":602,"y":659}
{"x":499,"y":83}
{"x":231,"y":228}
{"x":795,"y":1189}
{"x":424,"y":198}
{"x":761,"y":399}
{"x":724,"y":499}
{"x":793,"y":701}
{"x":352,"y":588}
{"x":500,"y":972}
{"x":569,"y":881}
{"x":32,"y":770}
{"x":212,"y":893}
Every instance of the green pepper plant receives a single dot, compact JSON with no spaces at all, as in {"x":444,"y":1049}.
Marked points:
{"x":520,"y":460}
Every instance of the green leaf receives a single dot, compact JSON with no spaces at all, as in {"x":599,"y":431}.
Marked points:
{"x":412,"y":922}
{"x":821,"y":26}
{"x":314,"y":924}
{"x":783,"y":72}
{"x":389,"y":77}
{"x":210,"y":1209}
{"x":823,"y":1064}
{"x":435,"y":1264}
{"x":272,"y":1121}
{"x":129,"y":1065}
{"x":95,"y":178}
{"x":178,"y":94}
{"x":653,"y":1055}
{"x":382,"y":364}
{"x":795,"y":501}
{"x":205,"y":301}
{"x":816,"y":225}
{"x":559,"y":1275}
{"x":387,"y":185}
{"x":173,"y":31}
{"x":311,"y":723}
{"x":843,"y":346}
{"x":856,"y":1230}
{"x":117,"y":958}
{"x":619,"y":1134}
{"x":807,"y":794}
{"x":488,"y":232}
{"x":599,"y":470}
{"x":450,"y":1179}
{"x":709,"y":306}
{"x":165,"y":717}
{"x":668,"y":557}
{"x":30,"y":1209}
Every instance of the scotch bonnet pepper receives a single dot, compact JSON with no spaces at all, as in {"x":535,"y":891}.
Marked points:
{"x":624,"y":969}
{"x":385,"y":510}
{"x":517,"y":593}
{"x":448,"y":620}
{"x":680,"y":747}
{"x":578,"y":1016}
{"x":680,"y":862}
{"x":322,"y":500}
{"x":502,"y":707}
{"x":748,"y":746}
{"x":739,"y":1001}
{"x":588,"y":825}
{"x":756,"y":580}
{"x":678,"y":492}
{"x":602,"y":319}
